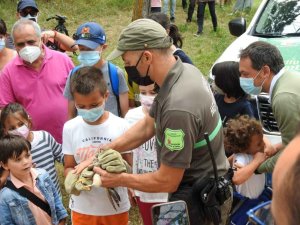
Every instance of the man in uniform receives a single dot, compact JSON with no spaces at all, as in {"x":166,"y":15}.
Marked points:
{"x":182,"y":112}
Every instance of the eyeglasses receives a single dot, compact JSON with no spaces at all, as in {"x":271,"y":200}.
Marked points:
{"x":261,"y":215}
{"x":84,"y":36}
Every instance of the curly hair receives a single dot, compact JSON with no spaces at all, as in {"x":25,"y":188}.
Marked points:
{"x":239,"y":132}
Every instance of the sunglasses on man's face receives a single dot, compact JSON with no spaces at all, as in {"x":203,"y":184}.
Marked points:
{"x":27,"y":11}
{"x":261,"y":215}
{"x":84,"y":36}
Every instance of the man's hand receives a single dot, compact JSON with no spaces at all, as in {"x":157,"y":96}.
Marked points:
{"x":109,"y":179}
{"x":259,"y":157}
{"x":270,"y":150}
{"x":46,"y":35}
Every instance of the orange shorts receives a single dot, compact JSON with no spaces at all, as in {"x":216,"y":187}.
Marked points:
{"x":83,"y":219}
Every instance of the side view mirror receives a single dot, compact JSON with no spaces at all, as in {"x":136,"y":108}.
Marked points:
{"x":237,"y":26}
{"x":170,"y":213}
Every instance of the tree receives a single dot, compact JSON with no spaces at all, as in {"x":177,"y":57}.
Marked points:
{"x":141,"y":9}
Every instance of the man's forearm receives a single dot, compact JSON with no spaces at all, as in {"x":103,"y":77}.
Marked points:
{"x":269,"y":164}
{"x":141,"y":132}
{"x":146,"y":182}
{"x":166,"y":179}
{"x":67,"y":42}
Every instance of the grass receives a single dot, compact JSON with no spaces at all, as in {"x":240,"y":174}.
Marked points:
{"x":114,"y":15}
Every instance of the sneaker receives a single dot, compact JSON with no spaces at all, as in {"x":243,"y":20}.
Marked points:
{"x":172,"y":19}
{"x":198,"y":34}
{"x":188,"y":20}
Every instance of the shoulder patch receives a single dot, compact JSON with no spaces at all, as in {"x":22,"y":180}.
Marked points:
{"x":174,"y":139}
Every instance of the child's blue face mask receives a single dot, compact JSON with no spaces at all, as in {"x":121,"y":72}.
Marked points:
{"x":91,"y":115}
{"x":89,"y":58}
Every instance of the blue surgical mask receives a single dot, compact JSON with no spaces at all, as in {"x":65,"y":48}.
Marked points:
{"x":89,"y":58}
{"x":247,"y":84}
{"x":2,"y":44}
{"x":91,"y":115}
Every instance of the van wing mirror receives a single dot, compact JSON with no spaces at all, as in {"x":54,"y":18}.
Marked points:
{"x":237,"y":26}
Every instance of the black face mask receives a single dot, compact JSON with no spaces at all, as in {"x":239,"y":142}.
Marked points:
{"x":135,"y":76}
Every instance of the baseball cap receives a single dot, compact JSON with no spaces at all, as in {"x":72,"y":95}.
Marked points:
{"x":22,"y":4}
{"x":90,"y":35}
{"x":141,"y":34}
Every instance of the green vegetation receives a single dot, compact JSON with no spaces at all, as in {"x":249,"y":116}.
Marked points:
{"x":114,"y":15}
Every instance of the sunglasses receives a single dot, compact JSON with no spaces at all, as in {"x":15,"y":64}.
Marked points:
{"x":84,"y":36}
{"x":261,"y":215}
{"x":32,"y":13}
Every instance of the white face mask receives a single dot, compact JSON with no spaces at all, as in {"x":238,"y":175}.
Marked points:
{"x":146,"y":101}
{"x":29,"y":17}
{"x":21,"y":131}
{"x":2,"y":44}
{"x":30,"y":53}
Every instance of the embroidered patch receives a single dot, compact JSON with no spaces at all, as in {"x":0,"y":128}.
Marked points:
{"x":174,"y":139}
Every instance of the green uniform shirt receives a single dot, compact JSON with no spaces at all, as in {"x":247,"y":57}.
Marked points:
{"x":285,"y":101}
{"x":183,"y":111}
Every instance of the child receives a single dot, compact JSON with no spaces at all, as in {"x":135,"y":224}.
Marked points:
{"x":173,"y":32}
{"x":244,"y":137}
{"x":230,"y":97}
{"x":145,"y":156}
{"x":16,"y":158}
{"x":82,"y":136}
{"x":44,"y":148}
{"x":91,"y":40}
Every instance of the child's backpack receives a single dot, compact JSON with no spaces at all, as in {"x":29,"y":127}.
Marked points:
{"x":114,"y":81}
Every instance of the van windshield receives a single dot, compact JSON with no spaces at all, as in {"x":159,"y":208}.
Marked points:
{"x":279,"y":18}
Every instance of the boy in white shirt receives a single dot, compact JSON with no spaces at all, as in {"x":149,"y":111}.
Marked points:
{"x":82,"y":136}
